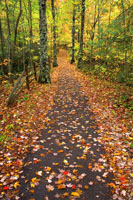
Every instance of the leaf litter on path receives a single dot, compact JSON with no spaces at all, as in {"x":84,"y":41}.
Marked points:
{"x":67,"y":160}
{"x":70,"y":147}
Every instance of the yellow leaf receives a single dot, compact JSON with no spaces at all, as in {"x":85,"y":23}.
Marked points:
{"x":74,"y":178}
{"x":32,"y":185}
{"x":112,"y":185}
{"x":66,"y":194}
{"x":49,"y":169}
{"x":60,"y":181}
{"x":79,"y":191}
{"x":56,"y":163}
{"x":75,"y":171}
{"x":16,"y":184}
{"x":66,"y":162}
{"x":34,"y":180}
{"x":75,"y":194}
{"x":49,"y":131}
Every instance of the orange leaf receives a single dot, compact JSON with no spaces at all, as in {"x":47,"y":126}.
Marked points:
{"x":61,"y":186}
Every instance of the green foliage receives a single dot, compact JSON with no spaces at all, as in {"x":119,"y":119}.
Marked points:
{"x":9,"y":126}
{"x":3,"y":138}
{"x":125,"y":97}
{"x":107,"y":35}
{"x":19,"y":100}
{"x":26,"y":97}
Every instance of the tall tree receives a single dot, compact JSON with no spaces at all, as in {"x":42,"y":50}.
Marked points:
{"x":92,"y":33}
{"x":9,"y":43}
{"x":124,"y":27}
{"x":78,"y":23}
{"x":30,"y":28}
{"x":16,"y":28}
{"x":44,"y":65}
{"x":12,"y":45}
{"x":54,"y":36}
{"x":73,"y":32}
{"x":80,"y":54}
{"x":2,"y":46}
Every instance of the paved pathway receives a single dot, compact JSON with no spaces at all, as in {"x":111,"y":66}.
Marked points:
{"x":67,"y":162}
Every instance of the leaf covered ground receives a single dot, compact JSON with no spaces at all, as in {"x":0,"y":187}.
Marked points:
{"x":84,"y":149}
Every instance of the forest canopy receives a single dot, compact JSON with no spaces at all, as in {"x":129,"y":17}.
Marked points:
{"x":107,"y":35}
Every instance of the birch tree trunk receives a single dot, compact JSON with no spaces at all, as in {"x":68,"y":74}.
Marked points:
{"x":73,"y":33}
{"x":44,"y":76}
{"x":54,"y":36}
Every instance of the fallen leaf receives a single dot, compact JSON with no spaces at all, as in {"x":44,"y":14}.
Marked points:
{"x":61,"y":186}
{"x":16,"y":184}
{"x":75,"y":194}
{"x":50,"y":188}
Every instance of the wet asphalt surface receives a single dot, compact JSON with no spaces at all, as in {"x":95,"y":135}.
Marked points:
{"x":67,"y":161}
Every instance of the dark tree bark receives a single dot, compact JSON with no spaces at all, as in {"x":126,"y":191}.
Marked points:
{"x":2,"y":40}
{"x":80,"y":54}
{"x":30,"y":18}
{"x":16,"y":28}
{"x":92,"y":34}
{"x":78,"y":24}
{"x":73,"y":33}
{"x":124,"y":27}
{"x":44,"y":65}
{"x":54,"y":36}
{"x":17,"y":22}
{"x":9,"y":44}
{"x":30,"y":29}
{"x":2,"y":46}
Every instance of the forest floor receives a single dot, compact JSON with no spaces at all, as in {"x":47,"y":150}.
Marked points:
{"x":66,"y":140}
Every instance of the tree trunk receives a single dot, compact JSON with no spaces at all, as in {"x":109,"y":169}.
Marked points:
{"x":99,"y":28}
{"x":2,"y":46}
{"x":54,"y":36}
{"x":93,"y":31}
{"x":17,"y":23}
{"x":44,"y":76}
{"x":78,"y":24}
{"x":108,"y":25}
{"x":9,"y":45}
{"x":16,"y":30}
{"x":30,"y":29}
{"x":80,"y":54}
{"x":73,"y":33}
{"x":30,"y":16}
{"x":124,"y":26}
{"x":11,"y":49}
